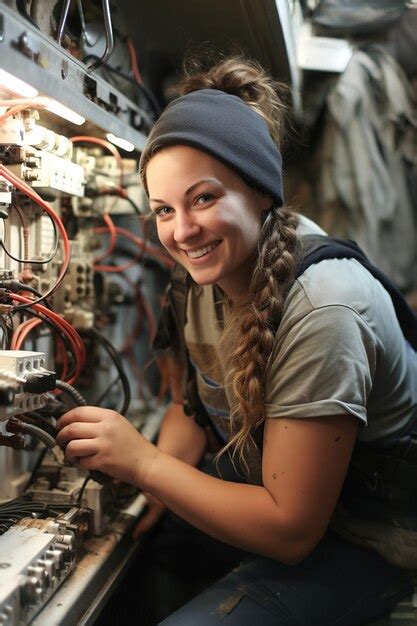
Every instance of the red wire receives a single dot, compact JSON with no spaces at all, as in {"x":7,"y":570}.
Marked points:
{"x":74,"y":338}
{"x":105,"y":144}
{"x":21,"y":332}
{"x":113,"y":236}
{"x":28,"y":191}
{"x":150,"y":249}
{"x":134,"y":61}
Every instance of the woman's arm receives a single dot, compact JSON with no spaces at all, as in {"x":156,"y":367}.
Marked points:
{"x":305,"y":462}
{"x":304,"y":466}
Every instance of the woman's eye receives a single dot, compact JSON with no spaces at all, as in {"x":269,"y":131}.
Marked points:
{"x":162,"y":211}
{"x":203,"y":198}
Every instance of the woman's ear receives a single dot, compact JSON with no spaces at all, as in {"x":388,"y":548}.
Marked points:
{"x":266,"y":202}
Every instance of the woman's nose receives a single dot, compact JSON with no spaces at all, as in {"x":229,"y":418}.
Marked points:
{"x":185,"y":228}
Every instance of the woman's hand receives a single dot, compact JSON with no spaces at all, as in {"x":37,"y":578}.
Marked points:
{"x":155,"y":510}
{"x":101,"y":439}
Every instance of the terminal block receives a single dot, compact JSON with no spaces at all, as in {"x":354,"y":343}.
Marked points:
{"x":23,"y":382}
{"x":36,"y":557}
{"x":51,"y":174}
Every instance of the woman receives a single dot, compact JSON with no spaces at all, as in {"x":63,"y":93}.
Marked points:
{"x":291,"y":372}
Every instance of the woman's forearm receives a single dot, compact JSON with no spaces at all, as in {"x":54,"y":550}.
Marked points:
{"x":242,"y":515}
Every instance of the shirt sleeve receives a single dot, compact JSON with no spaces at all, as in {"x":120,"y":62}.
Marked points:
{"x":322,"y":366}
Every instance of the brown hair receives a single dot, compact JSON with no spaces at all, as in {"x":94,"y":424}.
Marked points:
{"x":251,"y":325}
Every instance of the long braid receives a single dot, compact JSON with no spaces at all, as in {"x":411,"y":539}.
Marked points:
{"x":253,"y":325}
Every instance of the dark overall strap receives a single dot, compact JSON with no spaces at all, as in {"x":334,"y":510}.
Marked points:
{"x":319,"y":248}
{"x":171,"y":335}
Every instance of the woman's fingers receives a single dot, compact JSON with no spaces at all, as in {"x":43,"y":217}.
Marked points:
{"x":78,"y":449}
{"x":81,"y":414}
{"x":76,"y":430}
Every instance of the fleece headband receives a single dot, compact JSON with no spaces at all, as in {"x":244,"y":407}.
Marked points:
{"x":228,"y":129}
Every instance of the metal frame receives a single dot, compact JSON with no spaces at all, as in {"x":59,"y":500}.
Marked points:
{"x":37,"y":59}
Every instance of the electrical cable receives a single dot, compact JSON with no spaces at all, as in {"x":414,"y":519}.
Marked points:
{"x":15,"y":425}
{"x":20,"y":104}
{"x":15,"y":286}
{"x":108,"y":51}
{"x":156,"y":109}
{"x":36,"y":467}
{"x":73,"y":336}
{"x":147,"y":248}
{"x":34,"y":261}
{"x":133,"y":61}
{"x":28,"y":191}
{"x":22,"y":9}
{"x":121,"y":193}
{"x":22,"y":331}
{"x":104,"y":144}
{"x":81,"y":493}
{"x":37,"y":420}
{"x":106,"y":391}
{"x":13,"y":511}
{"x":113,"y":236}
{"x":56,"y":330}
{"x":111,"y":351}
{"x":70,"y":391}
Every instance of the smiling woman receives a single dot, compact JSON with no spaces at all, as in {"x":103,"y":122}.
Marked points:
{"x":288,"y":369}
{"x":210,"y":221}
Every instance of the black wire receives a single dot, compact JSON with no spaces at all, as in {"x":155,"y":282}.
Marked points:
{"x":83,"y":486}
{"x":106,"y":391}
{"x":109,"y":348}
{"x":7,"y":332}
{"x":143,"y":260}
{"x":141,"y":87}
{"x":22,"y":287}
{"x":36,"y":467}
{"x":32,"y":417}
{"x":21,"y":7}
{"x":156,"y":109}
{"x":132,"y":203}
{"x":35,"y":261}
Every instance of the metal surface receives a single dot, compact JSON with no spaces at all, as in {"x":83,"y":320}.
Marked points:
{"x":82,"y":595}
{"x":37,"y":59}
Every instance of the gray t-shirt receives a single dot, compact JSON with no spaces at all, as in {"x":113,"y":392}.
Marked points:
{"x":338,"y":350}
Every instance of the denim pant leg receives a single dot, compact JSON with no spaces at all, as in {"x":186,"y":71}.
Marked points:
{"x":338,"y":584}
{"x":175,"y":563}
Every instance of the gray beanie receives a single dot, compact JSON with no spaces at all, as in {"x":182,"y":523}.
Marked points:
{"x":225,"y":127}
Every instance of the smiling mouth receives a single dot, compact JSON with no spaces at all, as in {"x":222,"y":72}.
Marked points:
{"x":197,"y":254}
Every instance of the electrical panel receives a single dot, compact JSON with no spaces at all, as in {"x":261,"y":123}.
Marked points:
{"x":80,"y":283}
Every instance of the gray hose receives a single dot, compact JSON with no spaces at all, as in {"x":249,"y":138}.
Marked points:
{"x":73,"y":393}
{"x":15,"y":425}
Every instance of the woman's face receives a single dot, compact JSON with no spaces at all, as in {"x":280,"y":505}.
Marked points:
{"x":207,"y":218}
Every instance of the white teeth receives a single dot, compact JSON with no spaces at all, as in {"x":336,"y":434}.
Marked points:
{"x":196,"y":254}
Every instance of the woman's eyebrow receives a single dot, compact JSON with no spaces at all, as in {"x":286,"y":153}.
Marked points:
{"x":205,"y":180}
{"x":191,"y":189}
